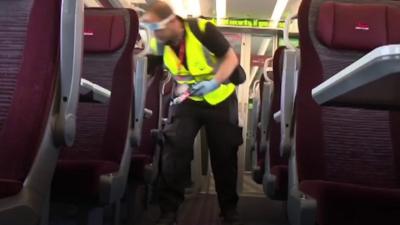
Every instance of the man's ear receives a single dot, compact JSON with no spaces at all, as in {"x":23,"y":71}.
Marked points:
{"x":174,"y":20}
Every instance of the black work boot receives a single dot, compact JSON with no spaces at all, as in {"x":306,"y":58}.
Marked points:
{"x":231,"y":217}
{"x":167,"y":218}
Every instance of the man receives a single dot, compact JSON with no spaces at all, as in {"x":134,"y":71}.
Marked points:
{"x":198,"y":56}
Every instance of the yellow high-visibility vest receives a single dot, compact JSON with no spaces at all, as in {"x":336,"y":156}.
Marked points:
{"x":201,"y":65}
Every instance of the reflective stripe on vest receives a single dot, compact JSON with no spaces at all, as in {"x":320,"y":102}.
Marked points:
{"x":155,"y":47}
{"x":202,"y":65}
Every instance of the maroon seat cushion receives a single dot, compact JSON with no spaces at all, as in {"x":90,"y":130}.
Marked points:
{"x":139,"y":162}
{"x":29,"y":66}
{"x":351,"y":26}
{"x":357,"y":204}
{"x":104,"y":34}
{"x":274,"y":127}
{"x":281,"y":174}
{"x":81,"y":178}
{"x":9,"y":187}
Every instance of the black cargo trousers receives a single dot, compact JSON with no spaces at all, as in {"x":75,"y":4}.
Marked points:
{"x":223,"y":137}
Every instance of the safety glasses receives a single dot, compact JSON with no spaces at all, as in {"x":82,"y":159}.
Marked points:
{"x":160,"y":25}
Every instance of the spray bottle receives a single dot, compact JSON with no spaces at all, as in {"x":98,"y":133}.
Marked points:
{"x":183,"y":92}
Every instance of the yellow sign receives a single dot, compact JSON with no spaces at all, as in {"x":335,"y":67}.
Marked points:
{"x":252,"y":23}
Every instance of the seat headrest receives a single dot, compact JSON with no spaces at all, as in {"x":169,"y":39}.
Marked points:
{"x":104,"y":33}
{"x":358,"y":26}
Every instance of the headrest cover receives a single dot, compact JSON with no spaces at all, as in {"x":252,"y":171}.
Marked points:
{"x":358,"y":26}
{"x":104,"y":33}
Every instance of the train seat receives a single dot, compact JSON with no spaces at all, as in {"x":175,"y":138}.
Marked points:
{"x":275,"y":177}
{"x":33,"y":89}
{"x":347,"y":158}
{"x":94,"y":171}
{"x":158,"y":96}
{"x":144,"y":153}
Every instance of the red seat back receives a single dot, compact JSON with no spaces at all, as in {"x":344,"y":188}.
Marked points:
{"x":102,"y":129}
{"x":29,"y":64}
{"x":344,"y":144}
{"x":275,"y":129}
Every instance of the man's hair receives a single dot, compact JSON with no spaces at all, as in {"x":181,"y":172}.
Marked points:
{"x":160,"y":9}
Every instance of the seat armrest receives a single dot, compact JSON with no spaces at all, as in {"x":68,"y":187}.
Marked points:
{"x":252,"y":132}
{"x":161,"y":119}
{"x":267,"y":94}
{"x":148,"y":113}
{"x":265,"y":113}
{"x":140,"y":83}
{"x":277,"y":116}
{"x":289,"y":86}
{"x":71,"y":53}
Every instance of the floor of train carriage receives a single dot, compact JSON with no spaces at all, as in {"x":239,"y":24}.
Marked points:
{"x":199,"y":208}
{"x":202,"y":208}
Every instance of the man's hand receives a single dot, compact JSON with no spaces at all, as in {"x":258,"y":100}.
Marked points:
{"x":204,"y":87}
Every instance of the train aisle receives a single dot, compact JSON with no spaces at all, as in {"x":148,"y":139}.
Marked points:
{"x":202,"y":209}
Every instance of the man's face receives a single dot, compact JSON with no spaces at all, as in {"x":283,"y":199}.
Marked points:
{"x":163,"y":35}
